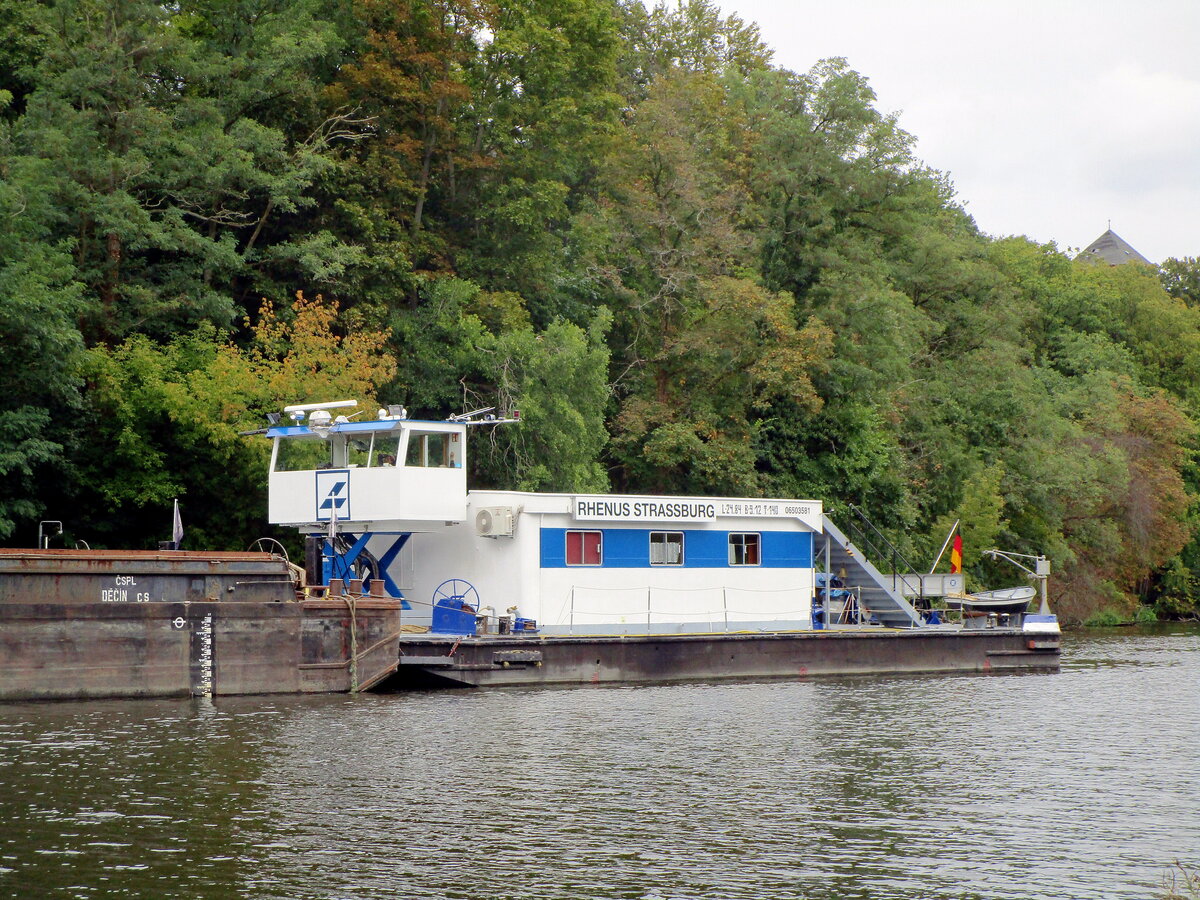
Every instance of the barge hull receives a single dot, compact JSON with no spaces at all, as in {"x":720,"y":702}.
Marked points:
{"x":96,"y":624}
{"x":75,"y":651}
{"x":428,"y":661}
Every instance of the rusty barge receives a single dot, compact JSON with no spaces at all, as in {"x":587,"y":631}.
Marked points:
{"x":78,"y":624}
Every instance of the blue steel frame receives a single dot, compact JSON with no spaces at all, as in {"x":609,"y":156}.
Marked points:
{"x":338,"y":565}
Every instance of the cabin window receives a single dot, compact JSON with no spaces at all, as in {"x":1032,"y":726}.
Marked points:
{"x":744,"y":549}
{"x":666,"y":548}
{"x":384,"y":451}
{"x":302,"y":455}
{"x":431,"y":450}
{"x":358,"y":451}
{"x":418,"y":447}
{"x":585,"y":548}
{"x":441,"y":450}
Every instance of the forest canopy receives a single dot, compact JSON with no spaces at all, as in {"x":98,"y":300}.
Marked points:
{"x":692,"y":270}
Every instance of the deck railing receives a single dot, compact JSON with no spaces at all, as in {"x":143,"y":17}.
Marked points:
{"x":883,"y":553}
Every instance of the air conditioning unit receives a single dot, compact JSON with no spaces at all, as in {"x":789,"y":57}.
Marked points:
{"x":494,"y":521}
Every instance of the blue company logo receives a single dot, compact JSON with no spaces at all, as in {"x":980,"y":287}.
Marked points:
{"x":333,"y":495}
{"x":332,"y":500}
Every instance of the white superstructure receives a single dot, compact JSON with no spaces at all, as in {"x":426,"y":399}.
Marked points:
{"x":389,"y":497}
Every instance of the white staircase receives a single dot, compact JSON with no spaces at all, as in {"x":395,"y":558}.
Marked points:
{"x":876,"y":592}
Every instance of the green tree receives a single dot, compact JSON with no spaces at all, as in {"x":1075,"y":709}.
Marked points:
{"x":705,"y":347}
{"x":691,"y":426}
{"x":162,"y":177}
{"x":40,"y":303}
{"x":22,"y":37}
{"x":545,"y":110}
{"x":558,"y":379}
{"x":1181,"y":279}
{"x":980,"y":517}
{"x":163,"y":421}
{"x":407,"y":72}
{"x":449,"y":360}
{"x":690,"y":36}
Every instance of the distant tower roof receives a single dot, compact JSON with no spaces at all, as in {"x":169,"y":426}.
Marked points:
{"x":1111,"y":248}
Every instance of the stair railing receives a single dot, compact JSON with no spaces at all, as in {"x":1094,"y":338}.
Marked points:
{"x":875,"y":543}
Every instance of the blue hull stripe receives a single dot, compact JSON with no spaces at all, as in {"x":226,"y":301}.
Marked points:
{"x":629,"y":548}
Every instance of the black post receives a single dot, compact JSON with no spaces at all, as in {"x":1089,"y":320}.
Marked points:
{"x":314,"y":562}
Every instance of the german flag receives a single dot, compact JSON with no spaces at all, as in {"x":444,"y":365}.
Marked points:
{"x":956,"y":555}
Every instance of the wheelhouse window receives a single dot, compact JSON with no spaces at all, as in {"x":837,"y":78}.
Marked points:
{"x":302,"y":454}
{"x":744,"y":549}
{"x":383,"y":451}
{"x":666,"y":548}
{"x":432,"y":450}
{"x":585,"y":548}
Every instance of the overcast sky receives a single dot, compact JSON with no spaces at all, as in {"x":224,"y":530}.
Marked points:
{"x":1051,"y":117}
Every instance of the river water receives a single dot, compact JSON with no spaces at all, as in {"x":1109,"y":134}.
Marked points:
{"x":1081,"y":784}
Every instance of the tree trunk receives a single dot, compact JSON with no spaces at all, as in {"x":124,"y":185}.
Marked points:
{"x":427,"y":164}
{"x":109,"y":287}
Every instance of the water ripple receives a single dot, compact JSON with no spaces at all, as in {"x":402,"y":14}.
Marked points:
{"x":1078,"y":785}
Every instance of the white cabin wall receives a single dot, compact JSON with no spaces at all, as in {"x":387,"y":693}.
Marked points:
{"x":503,"y":570}
{"x":579,"y":601}
{"x":506,"y":571}
{"x":372,"y":495}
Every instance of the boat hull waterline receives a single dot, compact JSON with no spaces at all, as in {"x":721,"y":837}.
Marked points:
{"x":493,"y":661}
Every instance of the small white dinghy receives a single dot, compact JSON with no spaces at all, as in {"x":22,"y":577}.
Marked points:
{"x":1004,"y":600}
